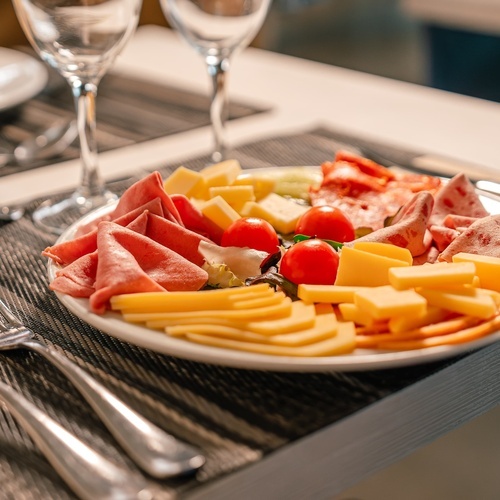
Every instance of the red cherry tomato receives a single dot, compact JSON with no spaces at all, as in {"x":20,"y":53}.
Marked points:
{"x":313,"y":262}
{"x":326,"y":222}
{"x":251,"y":232}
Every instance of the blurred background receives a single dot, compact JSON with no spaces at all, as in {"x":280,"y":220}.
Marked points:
{"x":447,"y":44}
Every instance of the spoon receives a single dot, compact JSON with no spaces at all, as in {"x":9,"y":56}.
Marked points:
{"x":48,"y":144}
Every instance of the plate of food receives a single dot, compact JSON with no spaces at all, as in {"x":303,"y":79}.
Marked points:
{"x":188,"y":266}
{"x":21,"y":77}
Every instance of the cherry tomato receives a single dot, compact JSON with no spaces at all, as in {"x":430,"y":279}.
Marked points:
{"x":326,"y":222}
{"x":251,"y":232}
{"x":313,"y":262}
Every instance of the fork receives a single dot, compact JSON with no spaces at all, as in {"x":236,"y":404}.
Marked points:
{"x":86,"y":472}
{"x":152,"y":449}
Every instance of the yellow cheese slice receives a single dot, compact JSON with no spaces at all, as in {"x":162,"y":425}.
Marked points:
{"x":156,"y":320}
{"x":352,"y":312}
{"x":223,"y":173}
{"x":343,"y":342}
{"x":360,"y":268}
{"x":429,"y":275}
{"x":325,"y":326}
{"x":261,"y":184}
{"x":384,"y":302}
{"x":186,"y":301}
{"x":432,"y":315}
{"x":487,"y":268}
{"x":385,"y":249}
{"x":473,"y":303}
{"x":331,"y":294}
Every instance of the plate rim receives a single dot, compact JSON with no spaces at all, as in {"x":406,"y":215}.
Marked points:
{"x":111,"y":324}
{"x":32,"y":79}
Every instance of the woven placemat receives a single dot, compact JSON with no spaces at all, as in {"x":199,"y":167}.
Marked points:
{"x":129,"y":110}
{"x":235,"y":416}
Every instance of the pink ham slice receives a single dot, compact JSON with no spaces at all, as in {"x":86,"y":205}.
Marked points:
{"x":457,"y":197}
{"x":454,"y":221}
{"x":140,"y":193}
{"x":482,"y":238}
{"x":409,"y":226}
{"x":67,"y":252}
{"x":78,"y":278}
{"x":130,"y":262}
{"x":177,"y":238}
{"x":443,"y":236}
{"x":194,"y":220}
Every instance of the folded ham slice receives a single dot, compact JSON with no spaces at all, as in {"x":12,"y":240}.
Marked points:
{"x":409,"y":226}
{"x":140,"y":193}
{"x":129,"y":262}
{"x":482,"y":238}
{"x":78,"y":278}
{"x":68,"y":251}
{"x":457,"y":197}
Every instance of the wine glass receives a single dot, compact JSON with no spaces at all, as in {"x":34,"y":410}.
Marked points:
{"x":217,"y":29}
{"x":80,"y":39}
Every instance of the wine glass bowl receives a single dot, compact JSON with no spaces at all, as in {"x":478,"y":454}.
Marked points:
{"x":217,"y":29}
{"x":80,"y":39}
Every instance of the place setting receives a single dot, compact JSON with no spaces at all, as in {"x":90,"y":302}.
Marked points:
{"x":145,"y":401}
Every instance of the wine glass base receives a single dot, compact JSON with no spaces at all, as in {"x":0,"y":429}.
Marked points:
{"x":55,"y":216}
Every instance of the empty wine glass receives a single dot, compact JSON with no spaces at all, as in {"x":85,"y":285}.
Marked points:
{"x":216,"y":29}
{"x":80,"y":39}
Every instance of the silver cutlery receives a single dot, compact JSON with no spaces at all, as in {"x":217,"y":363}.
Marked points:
{"x":90,"y":475}
{"x":48,"y":144}
{"x":152,"y":449}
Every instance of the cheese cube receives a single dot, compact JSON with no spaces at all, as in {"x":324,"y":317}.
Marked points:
{"x":487,"y":268}
{"x":219,"y":212}
{"x":385,"y":249}
{"x":429,"y":275}
{"x":331,"y":294}
{"x":221,"y":174}
{"x":360,"y":268}
{"x":472,"y":301}
{"x":234,"y":195}
{"x":261,"y":184}
{"x":183,"y":181}
{"x":280,"y":212}
{"x":384,"y":302}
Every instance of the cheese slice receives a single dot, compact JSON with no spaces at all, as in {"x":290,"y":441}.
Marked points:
{"x":384,"y":302}
{"x":385,"y":249}
{"x":233,"y":194}
{"x":352,"y":312}
{"x":429,"y":275}
{"x":432,"y":315}
{"x":332,"y":294}
{"x":343,"y":342}
{"x":487,"y":268}
{"x":219,"y":212}
{"x":184,"y":181}
{"x":360,"y":268}
{"x":473,"y":303}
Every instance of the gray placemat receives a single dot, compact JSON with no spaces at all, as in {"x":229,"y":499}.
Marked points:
{"x":235,"y":416}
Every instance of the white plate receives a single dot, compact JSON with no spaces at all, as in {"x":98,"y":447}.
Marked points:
{"x":359,"y":360}
{"x":21,"y":77}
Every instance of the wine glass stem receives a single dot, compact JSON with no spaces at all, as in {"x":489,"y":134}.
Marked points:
{"x":217,"y":69}
{"x":85,"y":94}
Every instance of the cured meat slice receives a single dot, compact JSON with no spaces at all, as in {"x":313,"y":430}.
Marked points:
{"x":130,"y":262}
{"x":454,"y":221}
{"x":177,"y":238}
{"x":144,"y":190}
{"x":194,"y":220}
{"x":409,"y":226}
{"x":67,"y":252}
{"x":481,"y":238}
{"x":443,"y":236}
{"x":457,"y":197}
{"x":366,"y":192}
{"x":78,"y":278}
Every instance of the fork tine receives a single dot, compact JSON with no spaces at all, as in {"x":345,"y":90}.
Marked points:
{"x":8,"y":314}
